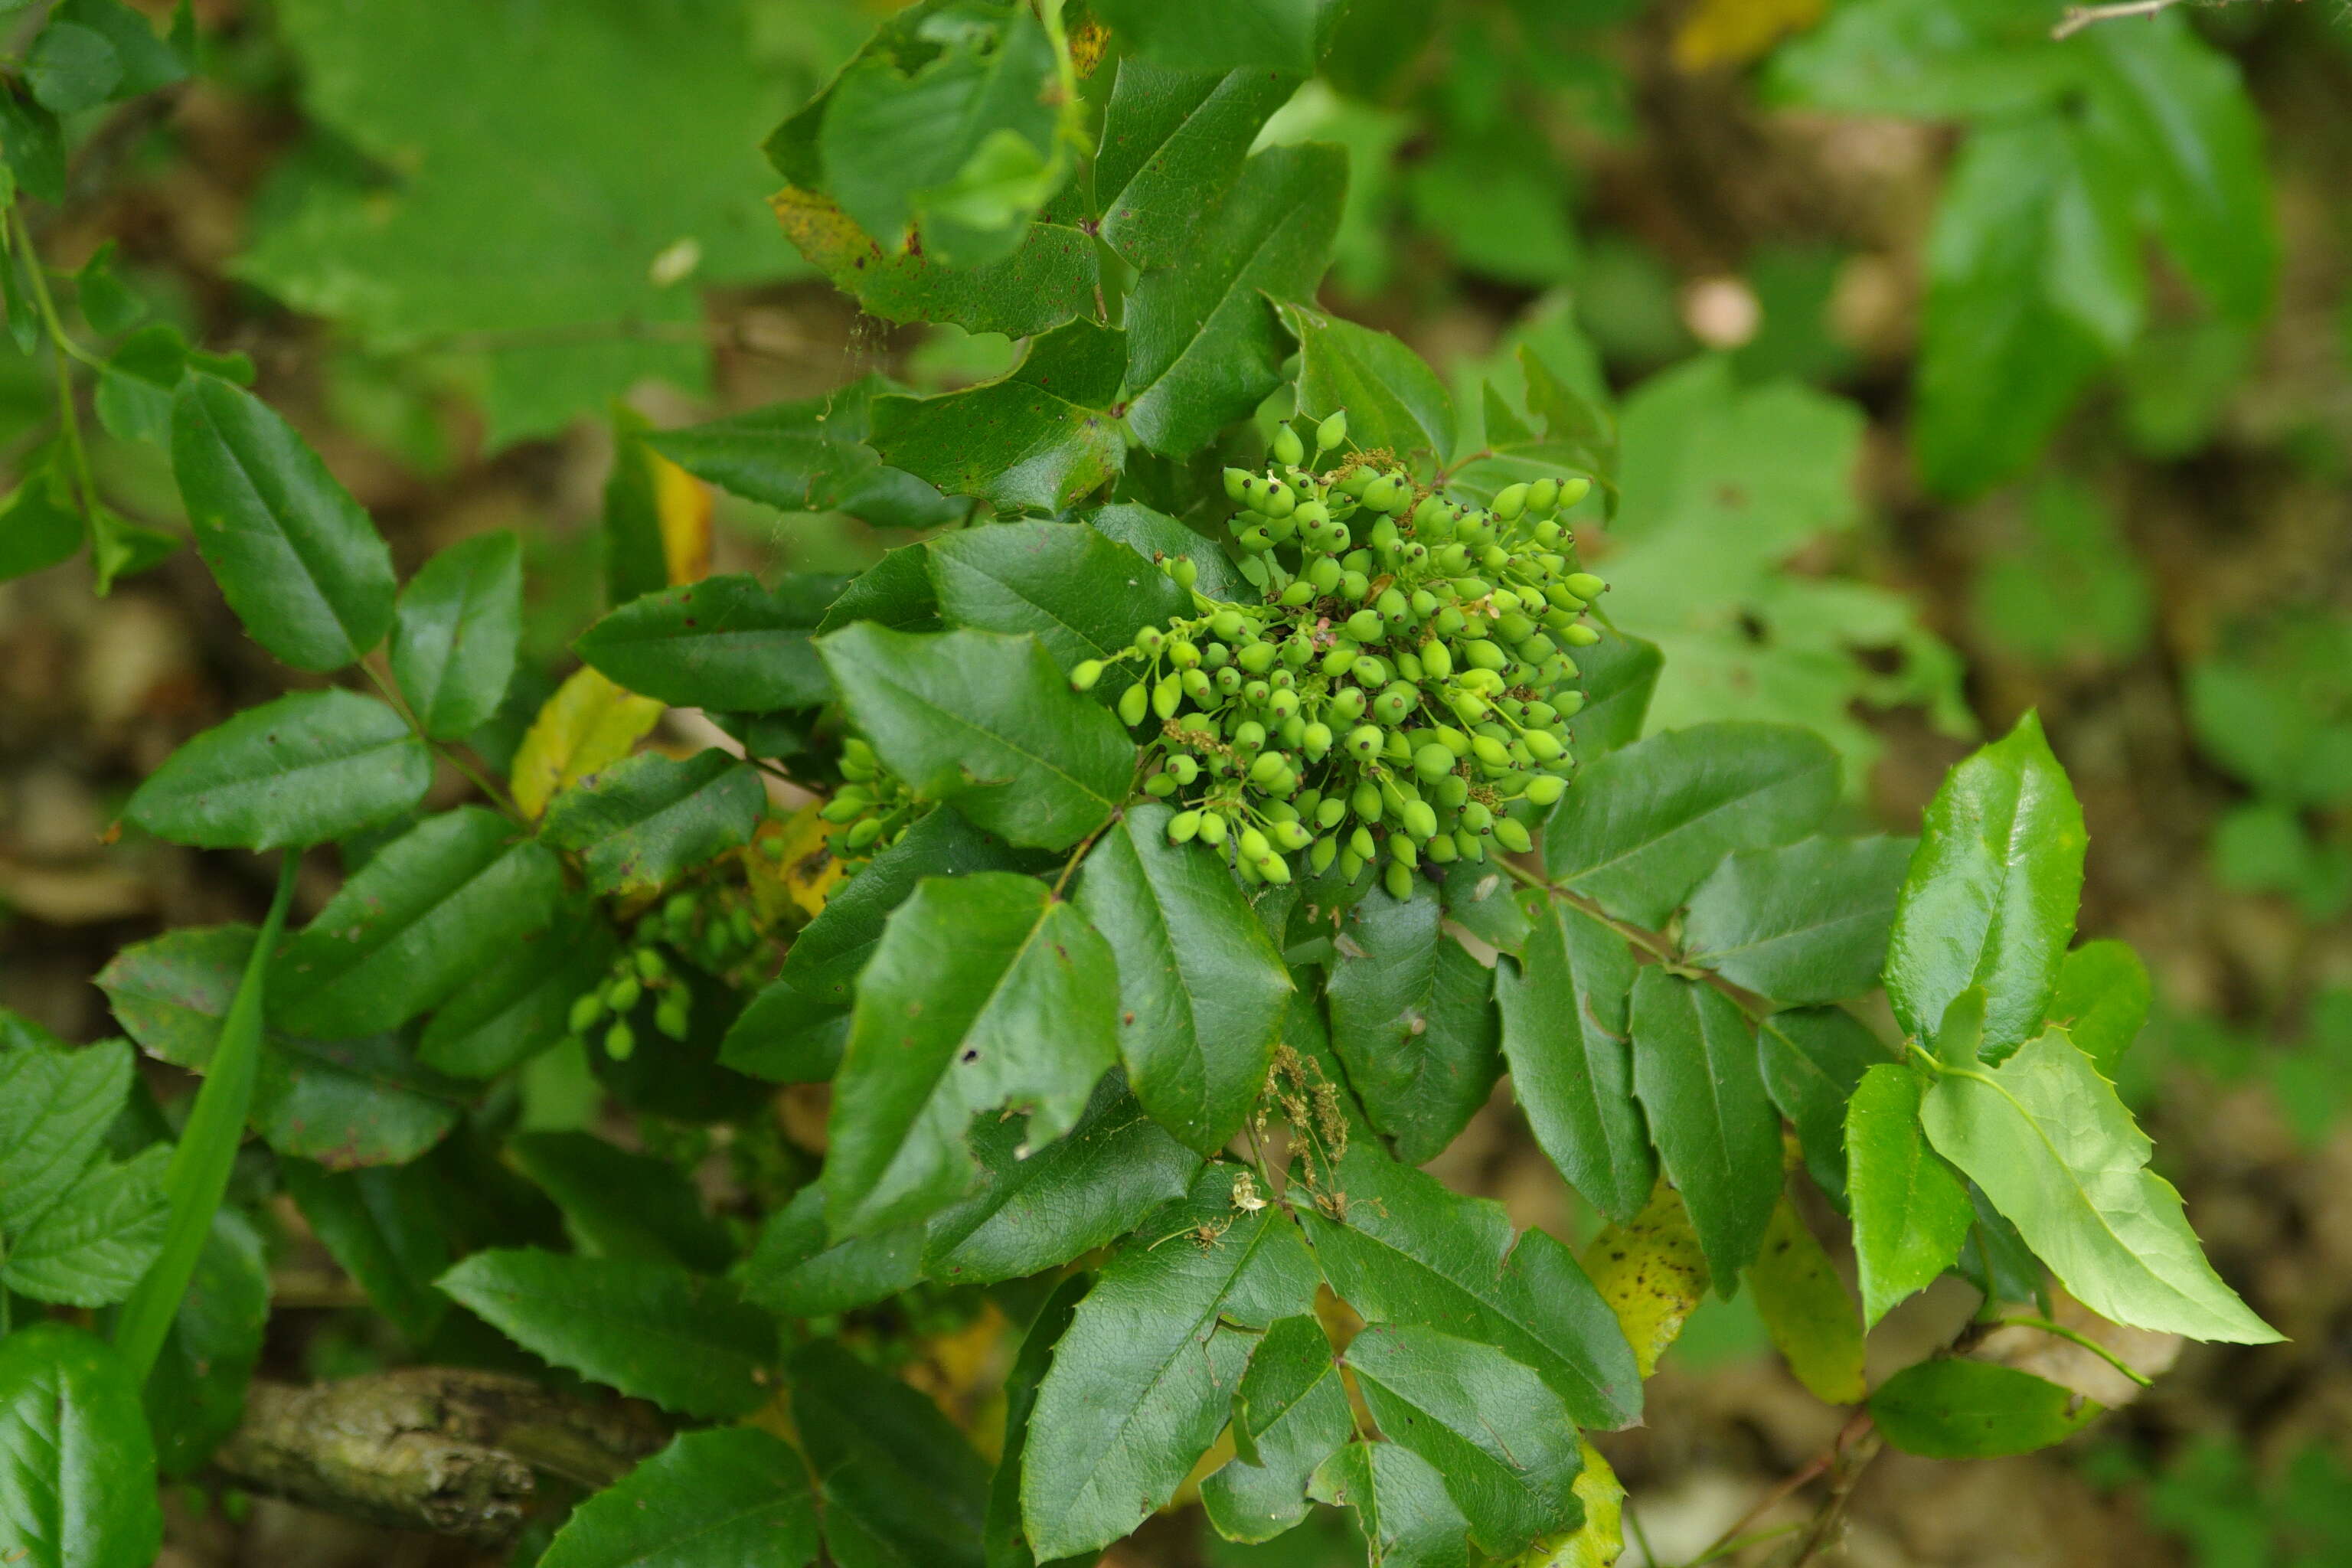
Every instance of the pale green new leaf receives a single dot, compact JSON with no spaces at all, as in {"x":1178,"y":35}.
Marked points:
{"x":985,"y":992}
{"x":988,"y":721}
{"x":1503,"y":1442}
{"x":428,"y":911}
{"x":1143,"y":1380}
{"x":1696,"y":1073}
{"x":2102,"y":999}
{"x":1989,"y":898}
{"x":1645,"y":825}
{"x":1910,"y":1213}
{"x":2046,"y":1139}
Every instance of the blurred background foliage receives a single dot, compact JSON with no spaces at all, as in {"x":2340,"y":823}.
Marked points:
{"x":1954,"y":370}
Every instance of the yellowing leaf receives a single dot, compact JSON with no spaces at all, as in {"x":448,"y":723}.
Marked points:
{"x":1806,"y":1310}
{"x":791,"y":866}
{"x":1651,"y":1274}
{"x":682,"y":504}
{"x":1599,"y":1540}
{"x":1733,"y":32}
{"x":589,"y":724}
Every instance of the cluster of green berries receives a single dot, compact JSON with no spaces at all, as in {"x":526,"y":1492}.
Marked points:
{"x":706,"y":925}
{"x":1402,"y":694}
{"x":877,"y":803}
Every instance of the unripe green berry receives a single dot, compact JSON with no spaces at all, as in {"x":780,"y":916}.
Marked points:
{"x":1330,"y":813}
{"x":1472,"y":847}
{"x":1491,"y":751}
{"x":1579,"y":636}
{"x":1383,"y":494}
{"x":1398,"y":879}
{"x":1546,"y":789}
{"x":1159,"y":786}
{"x":1432,"y":761}
{"x":1287,"y":449}
{"x":1543,"y":495}
{"x":620,"y":1042}
{"x":1168,"y":696}
{"x":1183,"y":826}
{"x":1440,"y":849}
{"x":1257,"y":658}
{"x":1584,"y":585}
{"x":1150,"y":640}
{"x":1185,"y":571}
{"x":1320,"y":859}
{"x":1419,"y":820}
{"x":1366,"y":625}
{"x":1084,"y":676}
{"x":1249,"y":735}
{"x":1403,"y":850}
{"x":1331,"y":432}
{"x":1132,"y":703}
{"x":1213,"y":828}
{"x":1290,"y":836}
{"x":674,"y":1016}
{"x":586,"y":1009}
{"x":1409,"y":667}
{"x":1280,"y":500}
{"x":1512,"y":835}
{"x":1510,"y":501}
{"x":623,"y":993}
{"x":1365,"y":741}
{"x":1364,"y":800}
{"x":1237,"y":485}
{"x":864,"y":834}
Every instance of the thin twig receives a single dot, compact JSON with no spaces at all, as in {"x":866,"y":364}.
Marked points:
{"x":2078,"y":17}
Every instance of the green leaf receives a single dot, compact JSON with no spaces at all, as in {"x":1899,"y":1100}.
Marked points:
{"x":732,"y":1494}
{"x":535,"y":214}
{"x":1204,"y":344}
{"x":1990,"y":898}
{"x":1037,"y":436}
{"x":2045,"y":1137}
{"x":1723,"y":483}
{"x":520,"y":1007}
{"x":1813,"y":1060}
{"x":985,"y":991}
{"x":1919,"y":58}
{"x":1172,"y":144}
{"x":147,"y":61}
{"x":386,"y":1227}
{"x":650,"y":1330}
{"x":793,"y":1030}
{"x":2070,"y":590}
{"x":1156,"y":536}
{"x":77,"y":1467}
{"x":1048,"y":279}
{"x":795,"y":1272}
{"x":809,"y":455}
{"x":1223,"y":35}
{"x":1290,"y":1414}
{"x":1082,"y":594}
{"x":900,"y":130}
{"x":1400,"y":1504}
{"x":1481,"y":901}
{"x":638,"y":494}
{"x":895,"y":591}
{"x":2102,"y":999}
{"x":39,"y":525}
{"x":902,"y":1488}
{"x":1620,"y":673}
{"x":1570,"y":1049}
{"x":298,"y":560}
{"x":1043,"y":1207}
{"x":1807,"y":1310}
{"x":1408,"y":1250}
{"x":724,"y":643}
{"x":1643,"y":825}
{"x":35,"y":146}
{"x":1695,"y":1075}
{"x":1004,"y":1545}
{"x":306,"y":768}
{"x":1201,"y":989}
{"x":55,"y":1104}
{"x":1414,"y":1021}
{"x":91,"y":1245}
{"x":1804,"y":923}
{"x":988,"y":721}
{"x":428,"y":911}
{"x":196,"y":1394}
{"x":455,"y":634}
{"x":1143,"y":1381}
{"x":1505,"y":1443}
{"x":619,"y":1205}
{"x":2034,"y":280}
{"x":642,"y":822}
{"x":1952,"y":1408}
{"x":1393,"y":398}
{"x":343,"y":1102}
{"x":2175,"y":111}
{"x":1910,"y":1213}
{"x":70,"y":68}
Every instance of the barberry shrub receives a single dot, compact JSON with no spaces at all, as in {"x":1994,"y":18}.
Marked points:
{"x":1160,"y":860}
